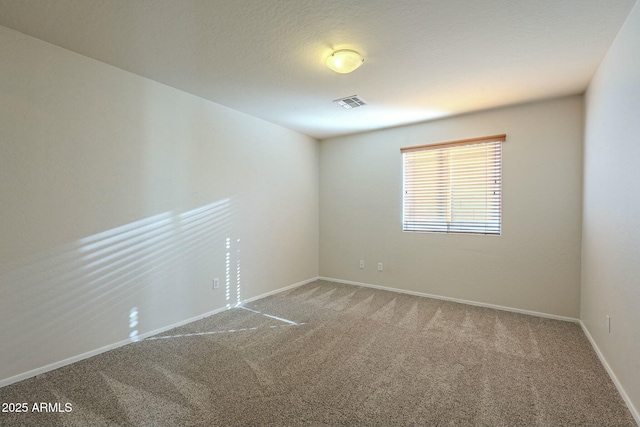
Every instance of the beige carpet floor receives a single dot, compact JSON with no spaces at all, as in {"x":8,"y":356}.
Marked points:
{"x":328,"y":354}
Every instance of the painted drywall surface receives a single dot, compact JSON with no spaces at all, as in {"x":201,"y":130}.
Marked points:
{"x":121,"y":199}
{"x":535,"y":263}
{"x":611,"y":224}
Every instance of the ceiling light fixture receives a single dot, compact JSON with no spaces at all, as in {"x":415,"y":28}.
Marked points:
{"x":344,"y":61}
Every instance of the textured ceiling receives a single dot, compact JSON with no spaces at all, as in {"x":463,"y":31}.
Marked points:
{"x":423,"y":59}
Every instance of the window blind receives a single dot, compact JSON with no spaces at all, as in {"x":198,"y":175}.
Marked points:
{"x":454,"y":187}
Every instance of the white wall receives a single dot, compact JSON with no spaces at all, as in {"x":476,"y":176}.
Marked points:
{"x":534,"y":265}
{"x":118,"y":195}
{"x":611,"y":224}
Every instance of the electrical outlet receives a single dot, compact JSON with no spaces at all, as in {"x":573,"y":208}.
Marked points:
{"x":361,"y":263}
{"x":379,"y":266}
{"x":607,"y":323}
{"x":216,"y":283}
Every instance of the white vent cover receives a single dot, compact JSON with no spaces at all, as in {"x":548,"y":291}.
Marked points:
{"x":350,"y":102}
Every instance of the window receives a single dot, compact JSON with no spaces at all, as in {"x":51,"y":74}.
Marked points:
{"x":454,"y":187}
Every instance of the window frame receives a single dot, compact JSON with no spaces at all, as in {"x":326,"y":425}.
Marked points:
{"x":443,"y":204}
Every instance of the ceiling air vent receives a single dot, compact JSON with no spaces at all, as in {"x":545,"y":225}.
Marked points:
{"x":350,"y":102}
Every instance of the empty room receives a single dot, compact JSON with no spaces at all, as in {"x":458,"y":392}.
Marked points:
{"x":319,"y":213}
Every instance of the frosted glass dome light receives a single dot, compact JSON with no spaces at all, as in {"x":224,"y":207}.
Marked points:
{"x":344,"y":61}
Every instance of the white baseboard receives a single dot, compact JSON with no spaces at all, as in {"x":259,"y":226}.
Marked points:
{"x":623,"y":393}
{"x":277,"y":291}
{"x":88,"y":354}
{"x":458,"y":300}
